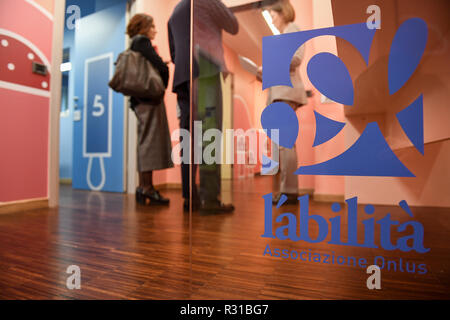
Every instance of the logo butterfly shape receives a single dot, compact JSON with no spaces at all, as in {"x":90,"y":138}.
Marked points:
{"x":370,"y":155}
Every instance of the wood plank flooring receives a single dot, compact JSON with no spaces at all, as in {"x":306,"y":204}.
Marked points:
{"x":126,"y":251}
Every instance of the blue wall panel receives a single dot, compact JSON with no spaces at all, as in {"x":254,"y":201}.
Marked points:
{"x":99,"y":34}
{"x":87,"y":7}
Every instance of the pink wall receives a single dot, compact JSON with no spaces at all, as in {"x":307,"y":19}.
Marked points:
{"x":315,"y":15}
{"x":432,"y":182}
{"x":244,"y":84}
{"x":24,"y":121}
{"x":161,"y":12}
{"x":245,"y":100}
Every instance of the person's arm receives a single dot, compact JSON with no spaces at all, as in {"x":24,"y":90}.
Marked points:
{"x":222,"y":16}
{"x":171,"y":43}
{"x":298,"y":58}
{"x":144,"y":46}
{"x":299,"y":54}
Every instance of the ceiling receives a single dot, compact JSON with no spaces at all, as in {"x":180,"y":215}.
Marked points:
{"x":252,"y":28}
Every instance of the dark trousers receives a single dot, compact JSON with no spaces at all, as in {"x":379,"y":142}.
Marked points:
{"x":209,"y":112}
{"x":208,"y":109}
{"x":182,"y":92}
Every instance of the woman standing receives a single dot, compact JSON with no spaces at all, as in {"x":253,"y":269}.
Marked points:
{"x":286,"y":182}
{"x":154,"y":146}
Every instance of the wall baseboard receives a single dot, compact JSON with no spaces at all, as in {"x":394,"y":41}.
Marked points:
{"x":65,"y":181}
{"x":329,"y":197}
{"x":169,"y":186}
{"x":23,"y":205}
{"x":302,"y":192}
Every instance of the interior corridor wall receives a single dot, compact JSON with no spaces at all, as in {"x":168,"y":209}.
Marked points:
{"x":245,"y":105}
{"x":373,"y":102}
{"x":24,"y":98}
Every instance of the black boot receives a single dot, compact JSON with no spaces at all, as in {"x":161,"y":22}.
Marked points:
{"x":151,"y":197}
{"x":146,"y":193}
{"x":291,"y":198}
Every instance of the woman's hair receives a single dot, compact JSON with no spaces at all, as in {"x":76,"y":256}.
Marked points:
{"x":285,"y":8}
{"x":139,"y":24}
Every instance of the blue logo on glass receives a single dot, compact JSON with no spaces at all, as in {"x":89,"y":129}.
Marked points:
{"x":370,"y":155}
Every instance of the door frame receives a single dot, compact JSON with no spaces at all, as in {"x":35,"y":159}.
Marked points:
{"x":59,"y":9}
{"x":130,"y":125}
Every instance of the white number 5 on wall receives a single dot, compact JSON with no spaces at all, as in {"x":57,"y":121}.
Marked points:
{"x":100,"y":108}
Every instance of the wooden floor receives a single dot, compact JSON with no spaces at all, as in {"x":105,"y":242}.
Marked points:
{"x":132,"y":252}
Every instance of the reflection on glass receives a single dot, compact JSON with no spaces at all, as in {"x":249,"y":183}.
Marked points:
{"x":289,"y":262}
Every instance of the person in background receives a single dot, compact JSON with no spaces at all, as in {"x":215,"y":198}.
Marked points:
{"x":211,"y":17}
{"x":154,"y":147}
{"x":179,"y":28}
{"x":286,"y":181}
